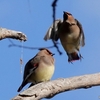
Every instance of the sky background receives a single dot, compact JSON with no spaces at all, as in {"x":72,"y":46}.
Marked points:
{"x":33,"y":17}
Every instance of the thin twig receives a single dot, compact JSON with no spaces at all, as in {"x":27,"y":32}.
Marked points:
{"x":27,"y":47}
{"x":54,"y":17}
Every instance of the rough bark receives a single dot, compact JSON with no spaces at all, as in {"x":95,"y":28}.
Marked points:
{"x":5,"y":33}
{"x":51,"y":88}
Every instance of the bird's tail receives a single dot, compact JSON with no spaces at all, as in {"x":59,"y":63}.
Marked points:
{"x":22,"y":85}
{"x":73,"y":56}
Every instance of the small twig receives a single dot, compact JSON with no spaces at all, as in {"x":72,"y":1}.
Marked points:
{"x":27,"y":47}
{"x":54,"y":17}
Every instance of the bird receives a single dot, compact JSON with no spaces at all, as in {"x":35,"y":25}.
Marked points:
{"x":70,"y":32}
{"x":38,"y":69}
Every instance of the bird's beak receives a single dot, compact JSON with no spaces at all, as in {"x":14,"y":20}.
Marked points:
{"x":52,"y":54}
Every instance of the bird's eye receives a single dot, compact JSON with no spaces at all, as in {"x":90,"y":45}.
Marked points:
{"x":50,"y":53}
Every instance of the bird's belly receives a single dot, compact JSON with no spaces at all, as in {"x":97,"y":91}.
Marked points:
{"x":69,"y":43}
{"x":43,"y":74}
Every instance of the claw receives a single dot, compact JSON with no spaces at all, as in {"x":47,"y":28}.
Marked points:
{"x":80,"y":56}
{"x":70,"y":61}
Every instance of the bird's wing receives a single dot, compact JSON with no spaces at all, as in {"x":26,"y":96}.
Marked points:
{"x":51,"y":33}
{"x":31,"y":66}
{"x":82,"y":37}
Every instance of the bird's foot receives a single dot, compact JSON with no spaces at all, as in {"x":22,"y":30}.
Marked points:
{"x":80,"y":57}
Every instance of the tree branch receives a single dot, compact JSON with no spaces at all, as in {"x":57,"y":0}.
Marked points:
{"x":5,"y":33}
{"x":27,"y":47}
{"x":51,"y":88}
{"x":54,"y":4}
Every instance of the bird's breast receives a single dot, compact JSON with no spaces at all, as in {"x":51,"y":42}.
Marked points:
{"x":69,"y":41}
{"x":43,"y":73}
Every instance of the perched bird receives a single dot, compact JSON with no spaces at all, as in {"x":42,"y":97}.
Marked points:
{"x":38,"y":69}
{"x":70,"y":33}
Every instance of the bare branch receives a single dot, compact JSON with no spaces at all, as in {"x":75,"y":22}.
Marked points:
{"x":51,"y":88}
{"x":27,"y":47}
{"x":54,"y":17}
{"x":5,"y":33}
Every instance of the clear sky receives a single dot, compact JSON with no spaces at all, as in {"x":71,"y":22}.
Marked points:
{"x":33,"y":17}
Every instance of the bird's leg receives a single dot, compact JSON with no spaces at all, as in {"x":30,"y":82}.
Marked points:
{"x":80,"y":56}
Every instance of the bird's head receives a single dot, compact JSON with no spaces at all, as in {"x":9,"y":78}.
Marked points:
{"x":46,"y":51}
{"x":68,"y":18}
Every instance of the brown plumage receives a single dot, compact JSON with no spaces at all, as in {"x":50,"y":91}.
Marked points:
{"x":38,"y":69}
{"x":70,"y":33}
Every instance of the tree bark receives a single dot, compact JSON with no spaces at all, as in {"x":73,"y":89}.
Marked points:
{"x":51,"y":88}
{"x":5,"y":33}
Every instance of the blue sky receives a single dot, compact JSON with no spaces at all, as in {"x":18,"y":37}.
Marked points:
{"x":33,"y":18}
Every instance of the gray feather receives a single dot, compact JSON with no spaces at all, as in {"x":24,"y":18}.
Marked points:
{"x":51,"y":33}
{"x":82,"y":37}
